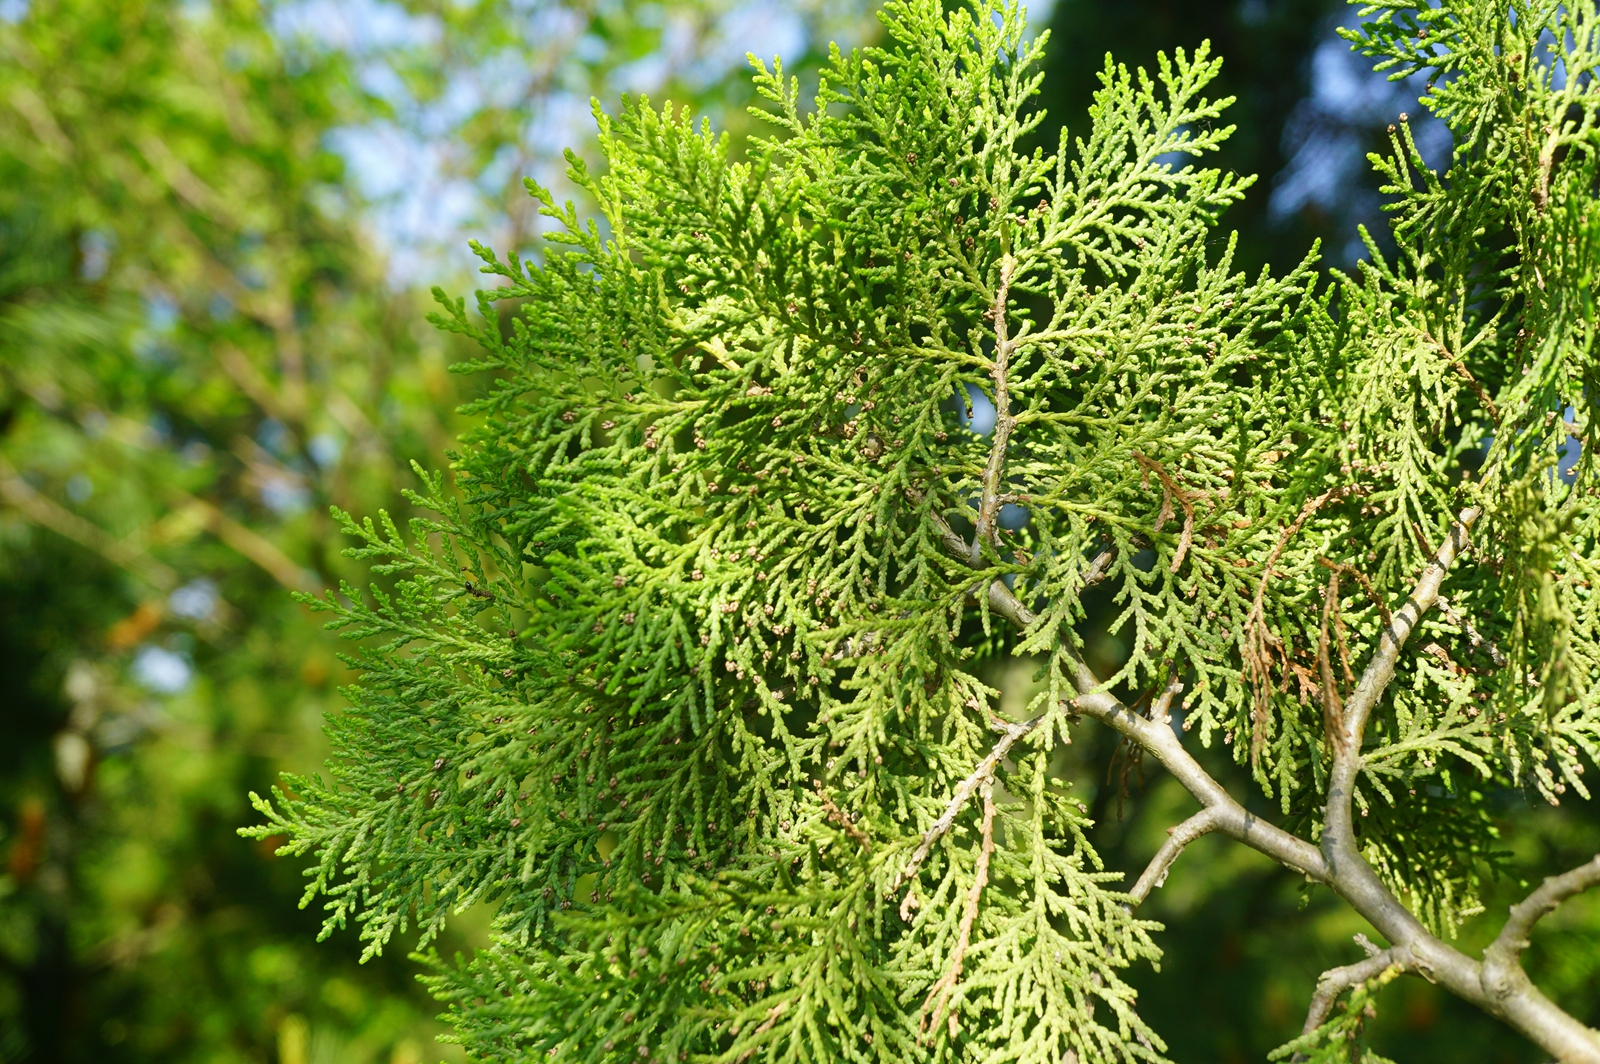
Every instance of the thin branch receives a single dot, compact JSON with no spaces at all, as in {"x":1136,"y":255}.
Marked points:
{"x":1172,"y":490}
{"x":1336,"y":981}
{"x":989,"y":503}
{"x":940,"y":992}
{"x":1098,"y":569}
{"x":1332,"y":704}
{"x":1458,"y":363}
{"x":1340,"y":865}
{"x":1366,"y":585}
{"x":183,"y":181}
{"x":1161,"y":708}
{"x":253,"y":546}
{"x":1099,"y":566}
{"x":979,"y":778}
{"x":1501,"y":961}
{"x":1259,"y":639}
{"x":1155,"y":874}
{"x":250,"y":380}
{"x":1233,"y":819}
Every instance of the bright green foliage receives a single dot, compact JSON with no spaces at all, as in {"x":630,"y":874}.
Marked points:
{"x":687,"y":677}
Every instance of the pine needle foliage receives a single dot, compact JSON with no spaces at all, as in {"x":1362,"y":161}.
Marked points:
{"x":686,"y":679}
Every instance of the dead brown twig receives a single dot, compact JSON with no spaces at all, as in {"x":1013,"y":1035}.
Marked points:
{"x":842,"y":819}
{"x":1260,"y":643}
{"x":1171,"y":489}
{"x":1366,"y":585}
{"x":1456,"y":363}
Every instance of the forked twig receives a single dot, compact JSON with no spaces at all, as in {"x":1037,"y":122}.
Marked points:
{"x":1336,"y":981}
{"x":1501,"y":961}
{"x":1171,"y":489}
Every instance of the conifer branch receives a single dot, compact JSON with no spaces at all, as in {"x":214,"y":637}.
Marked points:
{"x":933,"y":1007}
{"x":1340,"y":867}
{"x":1338,"y":839}
{"x":1232,"y":819}
{"x":706,"y":559}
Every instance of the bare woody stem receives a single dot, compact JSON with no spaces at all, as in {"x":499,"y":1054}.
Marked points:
{"x":990,"y":501}
{"x":1232,"y":819}
{"x":1336,"y":981}
{"x":940,"y":992}
{"x":1338,"y":836}
{"x":1498,"y":986}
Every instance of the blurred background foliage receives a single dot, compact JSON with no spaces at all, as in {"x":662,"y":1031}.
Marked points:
{"x":218,"y":222}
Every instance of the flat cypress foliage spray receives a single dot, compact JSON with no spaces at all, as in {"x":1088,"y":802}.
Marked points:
{"x":687,"y":684}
